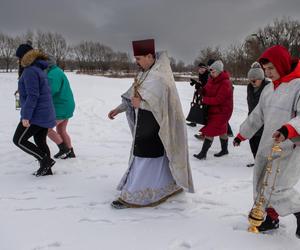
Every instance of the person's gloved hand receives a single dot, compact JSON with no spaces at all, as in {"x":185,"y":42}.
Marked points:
{"x":236,"y":141}
{"x":193,"y":82}
{"x":281,"y":134}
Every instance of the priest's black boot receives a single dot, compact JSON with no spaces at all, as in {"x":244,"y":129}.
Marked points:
{"x":205,"y":147}
{"x":118,"y":205}
{"x":224,"y":148}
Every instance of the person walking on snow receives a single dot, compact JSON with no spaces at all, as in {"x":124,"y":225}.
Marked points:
{"x":218,"y":95}
{"x":64,"y":105}
{"x":159,"y":164}
{"x":37,"y":111}
{"x":278,"y":110}
{"x":257,"y":79}
{"x":203,"y":77}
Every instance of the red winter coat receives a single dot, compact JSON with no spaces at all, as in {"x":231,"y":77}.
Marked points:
{"x":218,"y":95}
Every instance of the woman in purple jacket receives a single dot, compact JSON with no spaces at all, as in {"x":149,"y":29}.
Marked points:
{"x":37,"y":111}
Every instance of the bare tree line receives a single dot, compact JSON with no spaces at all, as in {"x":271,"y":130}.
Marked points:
{"x":93,"y":56}
{"x":238,"y":57}
{"x":87,"y":56}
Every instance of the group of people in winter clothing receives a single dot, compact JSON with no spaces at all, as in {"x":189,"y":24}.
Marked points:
{"x":221,"y":104}
{"x":273,"y":97}
{"x":217,"y":94}
{"x":158,"y":167}
{"x":46,"y":102}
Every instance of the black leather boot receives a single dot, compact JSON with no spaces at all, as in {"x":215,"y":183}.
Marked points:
{"x":63,"y":151}
{"x":49,"y":172}
{"x":45,"y":165}
{"x":205,"y":147}
{"x":118,"y":205}
{"x":224,"y":148}
{"x":71,"y":154}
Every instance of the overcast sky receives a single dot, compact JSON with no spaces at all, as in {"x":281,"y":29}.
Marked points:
{"x":182,"y":27}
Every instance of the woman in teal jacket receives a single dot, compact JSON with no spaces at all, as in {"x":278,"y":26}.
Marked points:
{"x":64,"y":107}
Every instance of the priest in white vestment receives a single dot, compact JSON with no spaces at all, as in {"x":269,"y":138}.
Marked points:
{"x":159,"y":163}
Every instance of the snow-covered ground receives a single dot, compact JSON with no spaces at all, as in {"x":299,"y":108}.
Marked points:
{"x":71,"y":210}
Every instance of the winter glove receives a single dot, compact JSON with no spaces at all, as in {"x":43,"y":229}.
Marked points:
{"x":236,"y":142}
{"x":238,"y":139}
{"x":193,"y":82}
{"x":284,"y":131}
{"x":281,"y":134}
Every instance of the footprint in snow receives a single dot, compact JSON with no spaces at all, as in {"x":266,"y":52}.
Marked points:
{"x":68,"y":197}
{"x":180,"y":245}
{"x":51,"y":245}
{"x":35,"y":209}
{"x":105,"y":221}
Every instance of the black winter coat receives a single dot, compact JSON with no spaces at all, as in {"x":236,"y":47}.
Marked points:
{"x":253,"y":98}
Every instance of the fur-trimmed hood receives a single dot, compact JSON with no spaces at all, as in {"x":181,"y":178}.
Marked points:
{"x":32,"y":56}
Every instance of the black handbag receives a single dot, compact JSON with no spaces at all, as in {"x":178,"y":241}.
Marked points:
{"x":198,"y":112}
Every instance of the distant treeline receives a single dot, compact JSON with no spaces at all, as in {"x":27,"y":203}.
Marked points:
{"x":95,"y":57}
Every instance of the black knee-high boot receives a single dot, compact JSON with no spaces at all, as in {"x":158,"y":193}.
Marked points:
{"x":224,"y":148}
{"x":206,"y":145}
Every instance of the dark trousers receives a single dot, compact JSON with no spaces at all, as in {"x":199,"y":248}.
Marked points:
{"x":229,"y":130}
{"x":39,"y":134}
{"x":254,"y":143}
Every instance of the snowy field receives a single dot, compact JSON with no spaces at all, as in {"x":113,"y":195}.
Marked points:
{"x":71,"y":209}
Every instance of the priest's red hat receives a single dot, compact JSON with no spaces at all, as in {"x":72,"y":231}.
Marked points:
{"x":143,"y":47}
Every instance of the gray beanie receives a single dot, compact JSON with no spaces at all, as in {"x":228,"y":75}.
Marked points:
{"x":218,"y":66}
{"x":256,"y":72}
